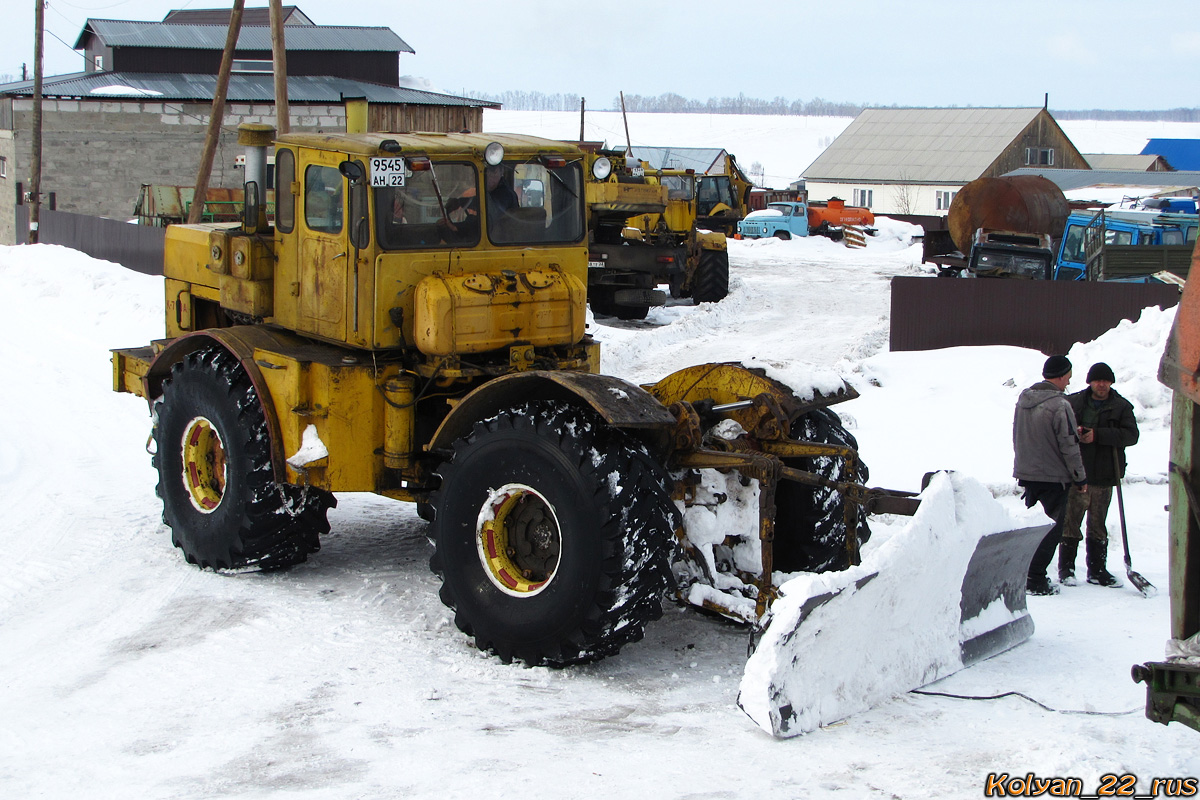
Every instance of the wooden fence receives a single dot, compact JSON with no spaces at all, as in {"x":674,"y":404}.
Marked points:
{"x":1050,"y":316}
{"x":138,"y":247}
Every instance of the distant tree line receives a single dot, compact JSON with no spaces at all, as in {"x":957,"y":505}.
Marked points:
{"x":670,"y":103}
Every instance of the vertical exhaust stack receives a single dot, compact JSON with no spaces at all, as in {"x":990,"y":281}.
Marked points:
{"x":257,"y":139}
{"x":356,"y":114}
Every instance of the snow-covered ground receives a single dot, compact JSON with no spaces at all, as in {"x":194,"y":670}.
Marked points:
{"x":127,"y":673}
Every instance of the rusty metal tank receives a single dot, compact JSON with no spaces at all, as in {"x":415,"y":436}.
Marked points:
{"x":1021,"y":204}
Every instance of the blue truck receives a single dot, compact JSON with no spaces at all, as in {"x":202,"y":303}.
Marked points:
{"x":1087,"y":235}
{"x":784,"y":220}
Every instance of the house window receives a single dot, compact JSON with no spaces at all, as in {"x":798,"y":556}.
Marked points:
{"x":3,"y":167}
{"x":1039,"y":156}
{"x":944,"y":199}
{"x":863,"y":198}
{"x":99,"y":62}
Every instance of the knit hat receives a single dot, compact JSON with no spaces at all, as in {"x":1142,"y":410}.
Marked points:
{"x":1101,"y":372}
{"x":1056,"y":367}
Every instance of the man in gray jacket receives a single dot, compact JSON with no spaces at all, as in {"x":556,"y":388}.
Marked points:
{"x":1047,"y":461}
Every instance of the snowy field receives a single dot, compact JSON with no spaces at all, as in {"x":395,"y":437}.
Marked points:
{"x":128,"y":673}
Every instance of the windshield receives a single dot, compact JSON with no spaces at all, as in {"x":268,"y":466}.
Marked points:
{"x":531,"y":203}
{"x":411,"y":215}
{"x":679,"y":187}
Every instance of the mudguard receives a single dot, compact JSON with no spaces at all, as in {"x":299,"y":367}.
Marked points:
{"x":945,"y":591}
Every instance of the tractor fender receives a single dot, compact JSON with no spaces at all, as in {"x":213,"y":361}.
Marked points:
{"x":241,"y":342}
{"x":619,"y":403}
{"x":711,"y":240}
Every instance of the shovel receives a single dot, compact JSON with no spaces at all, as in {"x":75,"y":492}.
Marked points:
{"x":1144,"y":586}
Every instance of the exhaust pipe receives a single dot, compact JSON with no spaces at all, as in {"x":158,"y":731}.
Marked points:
{"x":257,"y":140}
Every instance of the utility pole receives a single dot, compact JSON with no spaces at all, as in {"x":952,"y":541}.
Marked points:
{"x":218,"y":115}
{"x":279,"y":65}
{"x":582,"y":105}
{"x":35,"y":176}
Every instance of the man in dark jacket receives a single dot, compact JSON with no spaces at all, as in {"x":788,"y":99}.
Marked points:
{"x":1106,"y":427}
{"x":1047,"y":461}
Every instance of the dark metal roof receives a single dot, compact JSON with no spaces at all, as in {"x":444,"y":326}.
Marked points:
{"x":126,"y":33}
{"x":1068,"y":179}
{"x":151,"y":86}
{"x":250,"y":16}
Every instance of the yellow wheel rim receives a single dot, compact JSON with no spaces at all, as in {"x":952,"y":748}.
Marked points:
{"x":519,"y":540}
{"x":203,"y":465}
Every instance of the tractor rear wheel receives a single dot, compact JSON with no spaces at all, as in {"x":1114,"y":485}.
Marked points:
{"x":220,"y":499}
{"x":551,"y":535}
{"x":711,"y":282}
{"x":810,"y":523}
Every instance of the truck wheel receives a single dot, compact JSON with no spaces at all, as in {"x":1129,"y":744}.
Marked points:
{"x":810,"y":523}
{"x":711,"y":282}
{"x":782,"y":235}
{"x":224,"y":508}
{"x":552,"y":535}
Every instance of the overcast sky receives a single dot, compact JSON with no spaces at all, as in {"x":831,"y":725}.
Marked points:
{"x":1106,"y":54}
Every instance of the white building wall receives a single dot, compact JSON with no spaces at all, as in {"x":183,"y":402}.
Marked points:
{"x":887,"y":198}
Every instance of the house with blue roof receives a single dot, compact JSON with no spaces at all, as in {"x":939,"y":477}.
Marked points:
{"x":1182,"y":154}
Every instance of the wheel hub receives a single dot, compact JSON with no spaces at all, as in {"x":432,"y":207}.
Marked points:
{"x":204,"y":471}
{"x":519,"y":540}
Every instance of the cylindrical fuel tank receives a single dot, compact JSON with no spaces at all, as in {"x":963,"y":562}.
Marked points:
{"x":1021,"y":203}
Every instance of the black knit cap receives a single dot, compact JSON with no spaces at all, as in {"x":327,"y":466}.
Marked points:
{"x":1056,"y":367}
{"x":1101,"y":372}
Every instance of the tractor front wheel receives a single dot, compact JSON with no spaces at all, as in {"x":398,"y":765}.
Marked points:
{"x":551,"y":534}
{"x":220,"y":499}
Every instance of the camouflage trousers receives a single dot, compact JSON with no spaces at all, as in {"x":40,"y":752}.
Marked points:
{"x":1095,"y":504}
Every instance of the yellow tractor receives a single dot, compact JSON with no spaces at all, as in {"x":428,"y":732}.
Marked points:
{"x":642,"y":232}
{"x":411,"y":323}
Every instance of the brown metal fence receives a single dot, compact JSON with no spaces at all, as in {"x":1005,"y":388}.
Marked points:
{"x":1050,"y":316}
{"x":138,"y":247}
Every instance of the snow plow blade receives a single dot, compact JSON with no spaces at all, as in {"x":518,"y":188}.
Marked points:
{"x":942,"y":593}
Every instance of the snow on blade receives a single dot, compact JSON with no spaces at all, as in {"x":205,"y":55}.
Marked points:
{"x":843,"y":642}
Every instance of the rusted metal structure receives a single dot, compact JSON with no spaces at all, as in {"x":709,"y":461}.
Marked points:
{"x":1173,"y":686}
{"x":1021,"y":204}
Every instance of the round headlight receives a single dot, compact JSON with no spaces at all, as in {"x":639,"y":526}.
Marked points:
{"x":601,"y":168}
{"x":493,"y":154}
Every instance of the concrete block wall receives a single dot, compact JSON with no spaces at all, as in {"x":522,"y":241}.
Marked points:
{"x":96,"y":154}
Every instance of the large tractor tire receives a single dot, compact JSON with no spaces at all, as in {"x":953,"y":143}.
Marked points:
{"x":810,"y":523}
{"x":220,"y":499}
{"x":552,"y":535}
{"x":711,"y":281}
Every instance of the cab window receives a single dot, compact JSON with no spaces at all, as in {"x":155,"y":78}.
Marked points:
{"x":533,"y":203}
{"x":679,"y":187}
{"x":285,"y":201}
{"x":412,"y":216}
{"x":323,"y":199}
{"x":1073,"y":244}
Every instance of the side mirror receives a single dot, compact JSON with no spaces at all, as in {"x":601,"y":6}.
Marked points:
{"x":251,"y":207}
{"x":352,"y":170}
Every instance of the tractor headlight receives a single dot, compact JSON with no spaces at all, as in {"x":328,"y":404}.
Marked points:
{"x":601,"y":168}
{"x":493,"y":154}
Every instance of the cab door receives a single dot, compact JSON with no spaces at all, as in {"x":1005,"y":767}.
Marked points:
{"x":324,"y":253}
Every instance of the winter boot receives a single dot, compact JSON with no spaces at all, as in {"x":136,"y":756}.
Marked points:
{"x":1067,"y":549}
{"x":1040,"y":585}
{"x":1097,"y":558}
